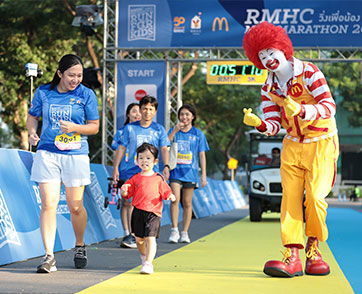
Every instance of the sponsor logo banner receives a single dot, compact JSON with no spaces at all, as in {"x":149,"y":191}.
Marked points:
{"x":219,"y":23}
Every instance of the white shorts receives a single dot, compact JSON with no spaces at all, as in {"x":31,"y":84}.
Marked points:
{"x":49,"y":167}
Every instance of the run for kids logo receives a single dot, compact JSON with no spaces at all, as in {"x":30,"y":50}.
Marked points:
{"x":59,"y":112}
{"x":8,"y":234}
{"x":141,"y":22}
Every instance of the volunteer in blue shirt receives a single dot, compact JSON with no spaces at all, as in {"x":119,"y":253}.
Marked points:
{"x":132,"y":114}
{"x":70,"y":113}
{"x":136,"y":133}
{"x":191,"y":148}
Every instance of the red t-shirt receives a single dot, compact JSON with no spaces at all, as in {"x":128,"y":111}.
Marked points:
{"x":148,"y":192}
{"x":262,"y":160}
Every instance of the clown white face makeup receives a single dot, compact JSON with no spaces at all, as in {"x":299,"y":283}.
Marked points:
{"x":274,"y":60}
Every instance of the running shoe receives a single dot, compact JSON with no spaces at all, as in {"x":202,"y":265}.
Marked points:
{"x":129,"y":242}
{"x":147,"y":268}
{"x":174,"y":236}
{"x":80,"y":257}
{"x":48,"y":265}
{"x":184,"y":237}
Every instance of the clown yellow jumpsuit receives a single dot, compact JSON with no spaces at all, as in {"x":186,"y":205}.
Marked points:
{"x":309,"y":154}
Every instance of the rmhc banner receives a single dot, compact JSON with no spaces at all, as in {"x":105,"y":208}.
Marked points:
{"x":222,"y":23}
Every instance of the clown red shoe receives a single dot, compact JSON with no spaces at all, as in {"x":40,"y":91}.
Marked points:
{"x":315,"y":265}
{"x":289,"y":267}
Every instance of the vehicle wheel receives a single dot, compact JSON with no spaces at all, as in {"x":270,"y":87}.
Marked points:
{"x":106,"y":202}
{"x":255,"y":209}
{"x":119,"y":204}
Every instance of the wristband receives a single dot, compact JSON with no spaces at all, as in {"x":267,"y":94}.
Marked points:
{"x":262,"y":127}
{"x":166,"y":165}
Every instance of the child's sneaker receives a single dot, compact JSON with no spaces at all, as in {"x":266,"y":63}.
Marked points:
{"x":147,"y":268}
{"x":184,"y":237}
{"x":48,"y":265}
{"x":80,"y":257}
{"x":174,"y":236}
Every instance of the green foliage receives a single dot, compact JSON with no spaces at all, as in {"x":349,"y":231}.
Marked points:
{"x":5,"y":138}
{"x":220,"y":116}
{"x":37,"y":31}
{"x":344,"y":79}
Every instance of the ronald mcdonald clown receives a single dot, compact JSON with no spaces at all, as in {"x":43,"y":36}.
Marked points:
{"x":296,"y":97}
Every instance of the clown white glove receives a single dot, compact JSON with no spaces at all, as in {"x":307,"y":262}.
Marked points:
{"x":292,"y":108}
{"x":250,"y":119}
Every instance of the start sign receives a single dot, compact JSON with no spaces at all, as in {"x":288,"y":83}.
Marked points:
{"x":234,"y":72}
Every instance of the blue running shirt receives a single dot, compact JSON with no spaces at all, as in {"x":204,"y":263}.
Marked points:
{"x":115,"y":144}
{"x":189,"y":145}
{"x":76,"y":106}
{"x":134,"y":135}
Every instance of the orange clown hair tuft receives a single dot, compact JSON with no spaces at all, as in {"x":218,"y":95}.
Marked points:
{"x":265,"y":36}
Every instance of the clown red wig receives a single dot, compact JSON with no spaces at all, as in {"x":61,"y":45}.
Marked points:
{"x":265,"y":36}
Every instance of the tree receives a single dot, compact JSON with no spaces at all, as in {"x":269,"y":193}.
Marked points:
{"x":220,"y":116}
{"x":40,"y":32}
{"x":345,"y":79}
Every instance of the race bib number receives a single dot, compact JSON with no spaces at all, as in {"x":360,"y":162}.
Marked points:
{"x":65,"y":142}
{"x":184,"y":158}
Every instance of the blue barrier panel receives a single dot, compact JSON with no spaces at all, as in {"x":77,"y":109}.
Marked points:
{"x":100,"y":219}
{"x":108,"y":219}
{"x":219,"y":195}
{"x":19,"y":209}
{"x":213,"y":205}
{"x":166,"y":215}
{"x":20,"y":205}
{"x":200,"y":204}
{"x":180,"y":213}
{"x":238,"y":193}
{"x":232,"y":197}
{"x":226,"y":194}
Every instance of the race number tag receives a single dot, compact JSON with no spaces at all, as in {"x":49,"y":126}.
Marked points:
{"x":184,"y":158}
{"x":65,"y":142}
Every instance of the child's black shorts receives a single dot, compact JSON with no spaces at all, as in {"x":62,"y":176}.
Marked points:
{"x":145,"y":223}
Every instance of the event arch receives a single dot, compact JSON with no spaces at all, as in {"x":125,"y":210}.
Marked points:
{"x":342,"y":43}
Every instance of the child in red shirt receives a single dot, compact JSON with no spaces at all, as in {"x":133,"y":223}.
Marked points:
{"x":147,"y":188}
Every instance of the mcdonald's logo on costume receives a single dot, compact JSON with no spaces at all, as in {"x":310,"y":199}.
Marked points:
{"x":220,"y":23}
{"x":295,"y":90}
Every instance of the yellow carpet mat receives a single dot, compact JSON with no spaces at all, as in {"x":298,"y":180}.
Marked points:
{"x":229,"y":260}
